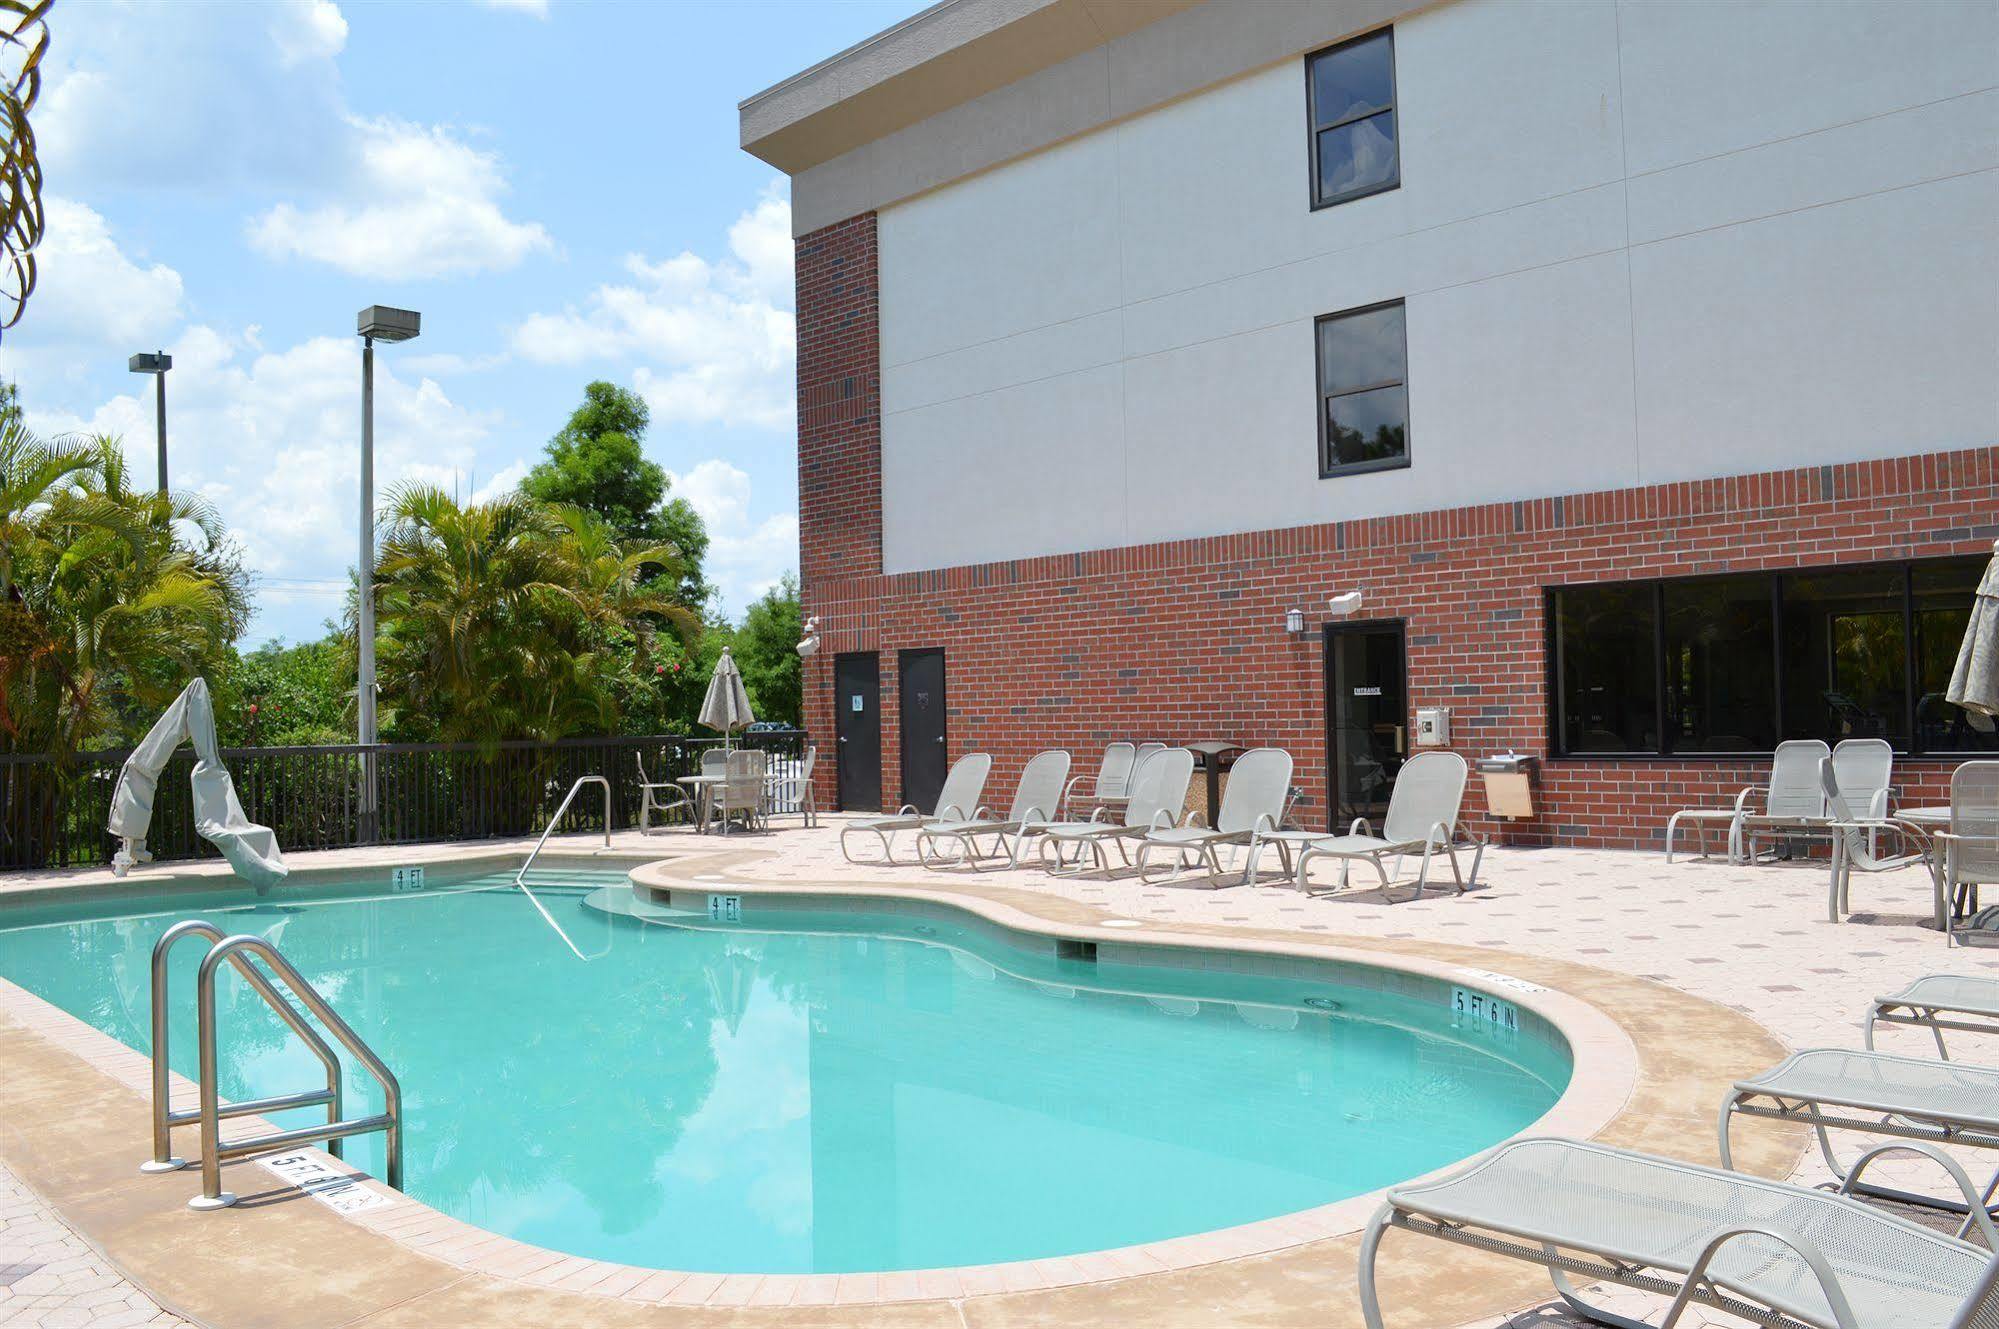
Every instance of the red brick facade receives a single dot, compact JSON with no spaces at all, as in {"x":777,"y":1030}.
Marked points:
{"x":839,"y":403}
{"x":1185,"y":640}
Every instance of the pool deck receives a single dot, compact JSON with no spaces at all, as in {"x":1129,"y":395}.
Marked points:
{"x":1712,"y":971}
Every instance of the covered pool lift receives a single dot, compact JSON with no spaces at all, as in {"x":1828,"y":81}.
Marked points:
{"x":251,"y":850}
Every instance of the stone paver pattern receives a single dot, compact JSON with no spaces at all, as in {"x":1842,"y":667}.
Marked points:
{"x":50,"y":1279}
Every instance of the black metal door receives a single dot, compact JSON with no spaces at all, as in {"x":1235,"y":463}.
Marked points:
{"x":857,"y":723}
{"x":925,"y":751}
{"x":1367,"y":735}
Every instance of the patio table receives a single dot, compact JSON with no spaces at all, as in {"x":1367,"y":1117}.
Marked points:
{"x":704,"y":789}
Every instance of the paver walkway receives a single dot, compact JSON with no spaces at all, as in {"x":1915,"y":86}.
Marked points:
{"x":49,"y":1279}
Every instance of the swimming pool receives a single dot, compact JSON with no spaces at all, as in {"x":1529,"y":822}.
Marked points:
{"x":819,"y":1090}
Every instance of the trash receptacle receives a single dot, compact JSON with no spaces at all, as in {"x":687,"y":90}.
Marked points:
{"x":1509,"y":784}
{"x":1213,"y":757}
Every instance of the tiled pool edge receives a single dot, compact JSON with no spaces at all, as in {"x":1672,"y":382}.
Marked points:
{"x":1607,"y":1068}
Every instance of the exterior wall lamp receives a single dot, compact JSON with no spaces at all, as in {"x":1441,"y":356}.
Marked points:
{"x":1294,"y":622}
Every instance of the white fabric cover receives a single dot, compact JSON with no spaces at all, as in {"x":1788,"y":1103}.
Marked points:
{"x":727,"y":705}
{"x":1974,"y":683}
{"x":252,"y":850}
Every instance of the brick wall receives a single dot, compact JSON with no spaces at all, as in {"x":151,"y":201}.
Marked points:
{"x":1184,"y":640}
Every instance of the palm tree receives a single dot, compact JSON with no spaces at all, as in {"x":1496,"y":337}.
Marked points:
{"x":496,"y":616}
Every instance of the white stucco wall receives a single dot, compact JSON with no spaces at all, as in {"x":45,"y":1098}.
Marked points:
{"x":1638,"y":242}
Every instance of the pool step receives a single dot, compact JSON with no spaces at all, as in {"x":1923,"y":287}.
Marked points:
{"x":629,"y":903}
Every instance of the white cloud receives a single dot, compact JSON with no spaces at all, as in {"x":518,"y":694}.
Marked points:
{"x":532,"y":8}
{"x":88,"y":290}
{"x":272,"y":438}
{"x":311,"y":30}
{"x":746,"y":555}
{"x":713,"y":341}
{"x":433,"y":212}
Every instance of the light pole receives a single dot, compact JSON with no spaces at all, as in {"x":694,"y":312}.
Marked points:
{"x":157,"y":364}
{"x":373,"y":324}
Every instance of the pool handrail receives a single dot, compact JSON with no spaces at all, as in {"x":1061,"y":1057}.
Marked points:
{"x":233,"y":951}
{"x":164,"y":1117}
{"x":520,"y":878}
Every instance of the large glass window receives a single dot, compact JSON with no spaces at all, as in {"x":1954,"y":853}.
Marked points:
{"x":1719,"y":641}
{"x":1846,"y":656}
{"x":1737,"y":663}
{"x":1607,"y":654}
{"x":1350,"y":96}
{"x":1363,"y":399}
{"x":1941,"y":606}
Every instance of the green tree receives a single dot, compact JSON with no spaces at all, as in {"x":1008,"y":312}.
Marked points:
{"x":766,"y":647}
{"x":597,"y":462}
{"x":279,"y":696}
{"x":506,"y":619}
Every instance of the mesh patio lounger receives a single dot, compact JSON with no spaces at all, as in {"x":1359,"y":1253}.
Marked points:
{"x":1111,"y":801}
{"x":1939,"y":1002}
{"x":1792,"y":794}
{"x":1253,"y":803}
{"x":1113,"y":777}
{"x":1422,"y":819}
{"x":1968,"y":852}
{"x":1910,"y":1098}
{"x":1158,"y":792}
{"x":1034,"y":800}
{"x":956,"y":801}
{"x":1771,"y":1252}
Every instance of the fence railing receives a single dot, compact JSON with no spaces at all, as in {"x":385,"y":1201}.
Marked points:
{"x":55,"y":817}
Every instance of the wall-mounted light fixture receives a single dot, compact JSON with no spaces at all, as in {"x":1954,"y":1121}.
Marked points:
{"x":808,"y":645}
{"x":1342,"y":605}
{"x":1294,"y":621}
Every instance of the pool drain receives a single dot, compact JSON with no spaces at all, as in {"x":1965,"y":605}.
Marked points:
{"x":1322,"y":1003}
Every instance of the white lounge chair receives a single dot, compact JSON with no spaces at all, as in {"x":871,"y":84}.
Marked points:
{"x":1253,"y":804}
{"x":1856,"y":844}
{"x":1968,"y":852}
{"x":956,"y":801}
{"x":1158,"y":792}
{"x":1767,"y":1251}
{"x":1113,"y":777}
{"x":1422,"y":819}
{"x":1911,"y":1098}
{"x":1035,"y":798}
{"x":1792,"y":793}
{"x":1936,"y":1002}
{"x":1862,"y":769}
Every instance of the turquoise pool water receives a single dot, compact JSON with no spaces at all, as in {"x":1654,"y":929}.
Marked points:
{"x":821,"y":1093}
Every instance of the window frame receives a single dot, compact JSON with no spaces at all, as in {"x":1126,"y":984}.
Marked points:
{"x":1551,"y":656}
{"x":1313,"y":128}
{"x":1327,"y":467}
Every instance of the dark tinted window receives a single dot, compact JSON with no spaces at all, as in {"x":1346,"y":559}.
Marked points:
{"x":1942,"y":593}
{"x":1363,"y":401}
{"x":1606,"y":652}
{"x":1350,"y":89}
{"x":1845,"y":656}
{"x":1720,"y":688}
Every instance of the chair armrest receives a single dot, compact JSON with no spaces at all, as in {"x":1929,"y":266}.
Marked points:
{"x":1440,"y":833}
{"x":947,"y":808}
{"x":1877,"y":806}
{"x":1814,"y":1258}
{"x":1742,"y":800}
{"x":1975,"y":1212}
{"x":1360,"y":827}
{"x":1154,"y":824}
{"x":982,"y":813}
{"x":1195,"y":818}
{"x":907,"y":810}
{"x":1264,"y":823}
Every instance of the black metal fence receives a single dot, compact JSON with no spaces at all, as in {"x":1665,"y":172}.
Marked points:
{"x":310,"y":796}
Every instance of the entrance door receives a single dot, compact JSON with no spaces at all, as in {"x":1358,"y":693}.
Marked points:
{"x":925,"y":754}
{"x":857,"y":723}
{"x":1367,"y":719}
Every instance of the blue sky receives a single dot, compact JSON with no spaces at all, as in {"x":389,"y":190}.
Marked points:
{"x":555,"y":186}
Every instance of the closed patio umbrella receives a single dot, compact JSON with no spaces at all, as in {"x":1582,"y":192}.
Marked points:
{"x":1974,"y":684}
{"x":727,"y":705}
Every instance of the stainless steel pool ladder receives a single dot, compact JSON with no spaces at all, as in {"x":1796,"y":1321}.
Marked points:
{"x":521,"y":877}
{"x":236,"y":952}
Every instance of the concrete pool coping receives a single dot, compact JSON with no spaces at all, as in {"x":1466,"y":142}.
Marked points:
{"x":1656,"y":1092}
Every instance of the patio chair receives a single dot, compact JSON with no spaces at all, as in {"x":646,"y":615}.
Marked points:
{"x":1158,"y":792}
{"x":714,"y":761}
{"x":1113,"y":777}
{"x":1258,"y":790}
{"x":1937,"y":1002}
{"x":1767,"y":1251}
{"x":740,"y":796}
{"x":1968,"y":852}
{"x":1913,"y":1098}
{"x":792,"y":789}
{"x":956,"y":801}
{"x":1792,"y":794}
{"x":1856,"y":844}
{"x":666,"y":799}
{"x":1422,"y":818}
{"x":1035,"y":797}
{"x":1862,"y":768}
